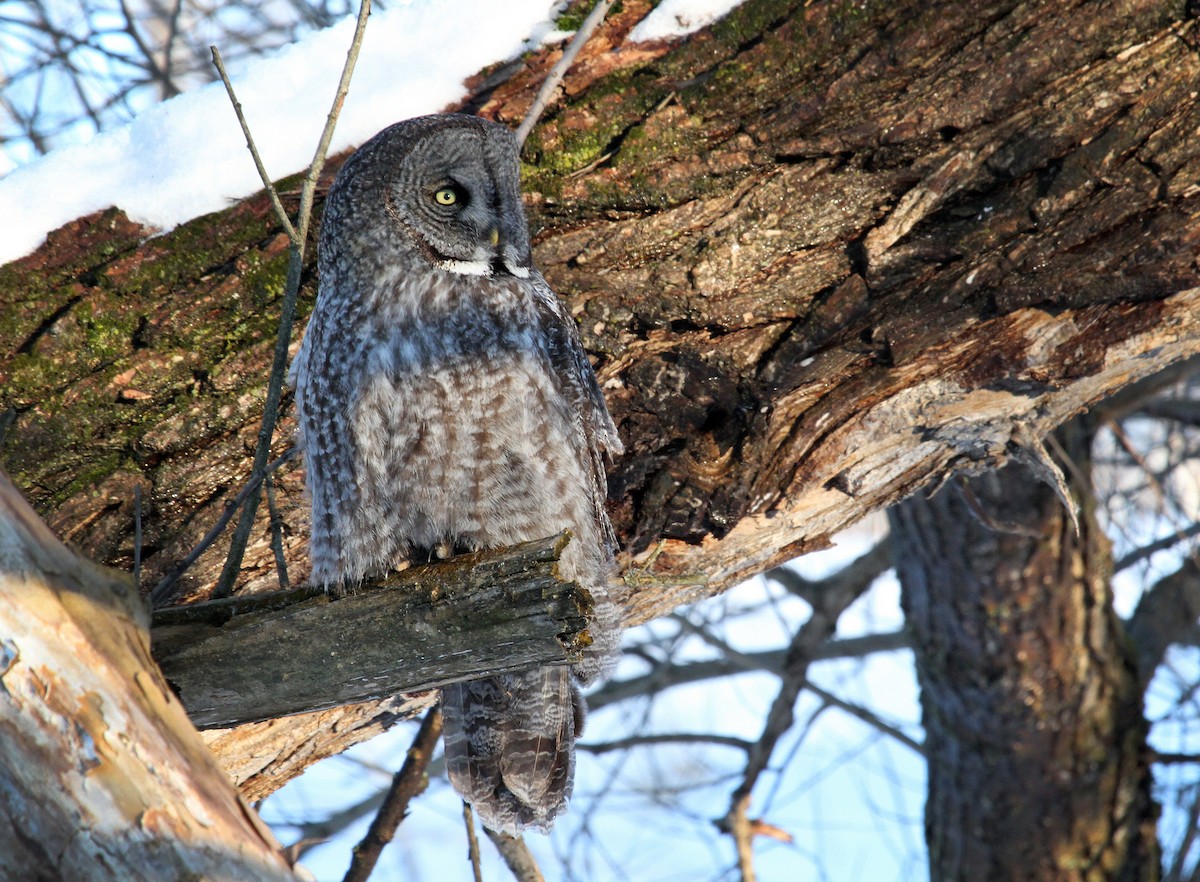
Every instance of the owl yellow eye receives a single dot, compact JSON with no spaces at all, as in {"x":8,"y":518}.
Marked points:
{"x":445,"y":196}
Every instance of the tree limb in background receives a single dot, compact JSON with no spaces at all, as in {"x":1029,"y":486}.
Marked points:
{"x":668,"y":673}
{"x":407,"y":784}
{"x":821,"y":625}
{"x":516,"y":855}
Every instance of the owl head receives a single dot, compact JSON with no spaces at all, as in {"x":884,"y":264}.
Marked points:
{"x":446,"y":187}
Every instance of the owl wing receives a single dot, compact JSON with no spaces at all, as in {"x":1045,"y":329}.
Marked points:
{"x":579,"y":384}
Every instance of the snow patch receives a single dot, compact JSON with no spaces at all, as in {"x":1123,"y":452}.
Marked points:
{"x":678,"y":18}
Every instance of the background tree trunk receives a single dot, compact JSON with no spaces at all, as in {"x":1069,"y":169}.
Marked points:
{"x":1032,"y":704}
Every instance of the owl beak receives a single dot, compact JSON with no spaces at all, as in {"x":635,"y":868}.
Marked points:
{"x":494,"y":236}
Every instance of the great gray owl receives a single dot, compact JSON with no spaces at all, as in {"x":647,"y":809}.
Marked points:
{"x":445,"y":403}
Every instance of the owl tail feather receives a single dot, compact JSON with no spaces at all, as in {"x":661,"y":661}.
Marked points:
{"x":510,"y":746}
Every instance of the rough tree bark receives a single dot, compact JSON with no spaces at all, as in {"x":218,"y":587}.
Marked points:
{"x":264,"y":656}
{"x":1032,"y":704}
{"x":823,"y":253}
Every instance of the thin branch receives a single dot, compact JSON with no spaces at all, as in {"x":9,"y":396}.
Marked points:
{"x":408,"y":783}
{"x":168,"y":62}
{"x":555,"y":77}
{"x":667,"y":738}
{"x":162,"y":589}
{"x":1175,"y":873}
{"x":828,"y":605}
{"x":152,"y":67}
{"x":867,"y":717}
{"x":472,"y":842}
{"x":314,"y":833}
{"x":309,"y":189}
{"x":1172,"y":758}
{"x":743,"y":837}
{"x":856,"y":576}
{"x":1151,"y":548}
{"x":665,"y":674}
{"x":277,"y":535}
{"x":280,"y":212}
{"x":298,"y":237}
{"x":517,"y":856}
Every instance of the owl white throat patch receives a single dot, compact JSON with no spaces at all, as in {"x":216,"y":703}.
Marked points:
{"x":481,"y":268}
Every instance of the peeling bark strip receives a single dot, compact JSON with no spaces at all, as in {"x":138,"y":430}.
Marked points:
{"x":824,"y":253}
{"x":103,"y":777}
{"x":959,"y":406}
{"x":420,"y":629}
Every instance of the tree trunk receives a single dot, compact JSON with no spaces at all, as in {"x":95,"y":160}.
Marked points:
{"x":1032,"y":703}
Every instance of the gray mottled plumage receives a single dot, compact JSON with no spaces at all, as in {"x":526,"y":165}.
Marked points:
{"x":445,"y":402}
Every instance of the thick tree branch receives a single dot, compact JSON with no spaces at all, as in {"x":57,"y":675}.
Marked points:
{"x":256,"y":658}
{"x":407,"y":784}
{"x":104,"y":778}
{"x":1166,"y":614}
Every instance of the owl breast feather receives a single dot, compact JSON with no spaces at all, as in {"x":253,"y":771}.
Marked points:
{"x":463,"y":436}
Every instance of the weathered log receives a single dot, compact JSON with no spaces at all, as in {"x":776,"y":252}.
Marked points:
{"x":249,"y":659}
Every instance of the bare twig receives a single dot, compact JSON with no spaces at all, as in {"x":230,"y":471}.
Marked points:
{"x":318,"y":832}
{"x":743,"y":837}
{"x":168,"y":62}
{"x":867,"y":717}
{"x":976,"y":507}
{"x":1152,"y":548}
{"x":517,"y":856}
{"x":1178,"y":871}
{"x":152,"y":67}
{"x":1170,"y":758}
{"x":555,"y":77}
{"x":472,"y":842}
{"x":667,"y":674}
{"x":298,"y":237}
{"x":162,"y":590}
{"x":856,"y":575}
{"x":137,"y":534}
{"x":828,"y":605}
{"x":408,"y":783}
{"x":667,"y":738}
{"x":277,"y":535}
{"x":280,"y":212}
